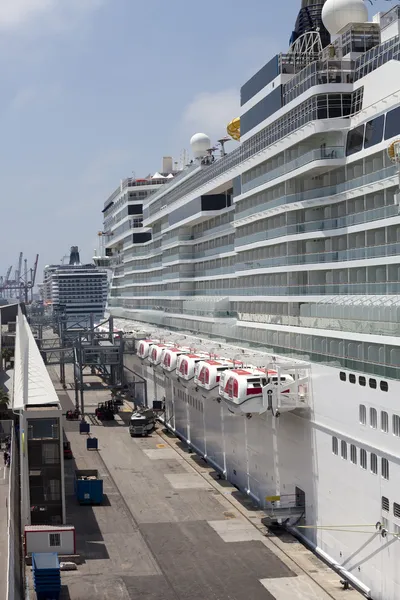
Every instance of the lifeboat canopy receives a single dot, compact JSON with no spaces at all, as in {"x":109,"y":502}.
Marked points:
{"x":242,"y":389}
{"x":170,"y":358}
{"x":186,"y":365}
{"x":144,"y":347}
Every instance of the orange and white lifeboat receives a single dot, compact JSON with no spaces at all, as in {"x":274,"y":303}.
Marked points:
{"x":156,"y":353}
{"x":242,"y":389}
{"x":171,"y":356}
{"x":187,"y":364}
{"x":208,"y":372}
{"x":144,"y":348}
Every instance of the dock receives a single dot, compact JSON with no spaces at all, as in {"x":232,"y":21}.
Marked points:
{"x":169,"y":529}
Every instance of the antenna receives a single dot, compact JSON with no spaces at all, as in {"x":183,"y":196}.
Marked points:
{"x":222,"y":143}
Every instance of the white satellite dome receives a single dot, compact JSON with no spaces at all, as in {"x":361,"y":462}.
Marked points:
{"x":200,"y":143}
{"x":336,"y":14}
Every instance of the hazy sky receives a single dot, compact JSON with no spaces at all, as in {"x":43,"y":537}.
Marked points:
{"x":95,"y":90}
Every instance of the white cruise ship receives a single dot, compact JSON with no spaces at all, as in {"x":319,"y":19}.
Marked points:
{"x":76,"y":292}
{"x":267,"y":291}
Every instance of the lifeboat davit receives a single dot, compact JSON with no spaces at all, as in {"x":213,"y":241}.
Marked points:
{"x":144,"y":348}
{"x":186,"y":365}
{"x":156,"y":353}
{"x":170,"y":358}
{"x":242,"y":389}
{"x":208,"y":372}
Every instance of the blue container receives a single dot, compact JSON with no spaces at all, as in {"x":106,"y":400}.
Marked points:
{"x":46,"y":575}
{"x":84,"y":427}
{"x":88,"y":487}
{"x":92,"y":444}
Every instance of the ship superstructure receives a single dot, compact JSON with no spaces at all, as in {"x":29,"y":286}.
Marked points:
{"x":284,"y":255}
{"x":76,"y":291}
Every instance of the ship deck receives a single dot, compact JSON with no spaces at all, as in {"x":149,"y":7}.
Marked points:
{"x":169,"y":530}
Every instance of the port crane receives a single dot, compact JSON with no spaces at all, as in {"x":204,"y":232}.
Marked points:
{"x":21,"y":287}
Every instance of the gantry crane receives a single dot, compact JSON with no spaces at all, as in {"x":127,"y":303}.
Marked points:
{"x":21,"y":287}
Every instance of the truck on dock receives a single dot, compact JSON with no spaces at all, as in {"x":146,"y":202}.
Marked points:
{"x":88,"y":486}
{"x":142,"y":422}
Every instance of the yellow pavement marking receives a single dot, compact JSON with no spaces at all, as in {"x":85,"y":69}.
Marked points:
{"x":160,"y":445}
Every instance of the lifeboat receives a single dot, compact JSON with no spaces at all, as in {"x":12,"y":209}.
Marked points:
{"x":208,"y":372}
{"x":156,"y":353}
{"x":170,"y":358}
{"x":144,"y":348}
{"x":242,"y":389}
{"x":187,"y":364}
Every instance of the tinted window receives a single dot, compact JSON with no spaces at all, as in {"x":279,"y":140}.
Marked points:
{"x":352,"y":378}
{"x":355,"y":140}
{"x":374,"y":131}
{"x":392,"y":126}
{"x":342,"y":376}
{"x":384,"y":386}
{"x":372,"y":384}
{"x":262,"y":78}
{"x":262,"y":110}
{"x":361,"y":380}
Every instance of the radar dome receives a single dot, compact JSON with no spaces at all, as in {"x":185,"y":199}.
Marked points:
{"x":200,"y":143}
{"x":336,"y":14}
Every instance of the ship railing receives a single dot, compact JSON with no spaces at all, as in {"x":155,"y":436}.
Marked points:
{"x":284,"y":507}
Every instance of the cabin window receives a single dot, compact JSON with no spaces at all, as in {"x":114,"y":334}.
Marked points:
{"x":384,"y":421}
{"x":362,"y":381}
{"x":363,"y":414}
{"x":335,"y":445}
{"x":363,"y":459}
{"x":374,"y":131}
{"x":355,"y":139}
{"x":385,"y":504}
{"x":343,"y":446}
{"x":385,"y":468}
{"x":384,"y":386}
{"x":352,"y":378}
{"x":342,"y":376}
{"x":373,"y":418}
{"x":374,"y":463}
{"x":396,"y":510}
{"x":372,"y":384}
{"x":396,"y":425}
{"x":353,"y":454}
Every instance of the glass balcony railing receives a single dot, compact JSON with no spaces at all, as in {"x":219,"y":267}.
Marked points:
{"x":215,"y":251}
{"x":178,"y":275}
{"x":177,"y":256}
{"x":217,"y":271}
{"x":330,"y":153}
{"x":322,"y":257}
{"x":322,"y":225}
{"x":308,"y":290}
{"x":319,"y":192}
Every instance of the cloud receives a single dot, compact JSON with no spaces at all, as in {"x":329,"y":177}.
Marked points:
{"x":17,"y":13}
{"x":34,"y":95}
{"x":210,"y":113}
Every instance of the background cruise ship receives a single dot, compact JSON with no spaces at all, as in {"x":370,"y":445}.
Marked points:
{"x":285,"y":253}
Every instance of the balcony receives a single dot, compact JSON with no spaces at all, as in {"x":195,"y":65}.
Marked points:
{"x":323,"y":289}
{"x":317,"y":193}
{"x":322,"y":257}
{"x":329,"y":153}
{"x":366,"y":216}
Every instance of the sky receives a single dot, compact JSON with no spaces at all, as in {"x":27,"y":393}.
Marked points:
{"x":93,"y":91}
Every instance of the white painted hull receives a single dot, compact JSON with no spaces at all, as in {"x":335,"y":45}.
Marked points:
{"x":264,"y":456}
